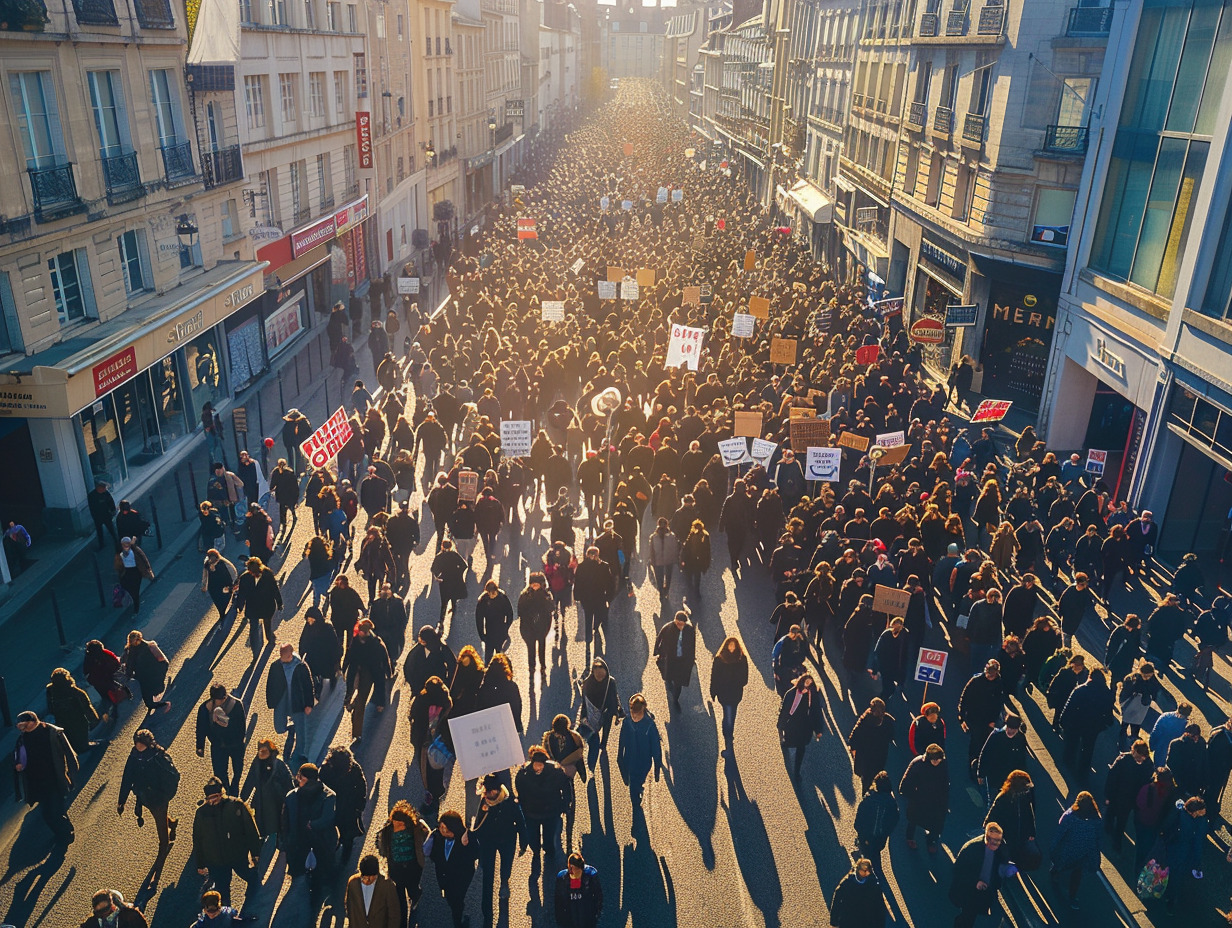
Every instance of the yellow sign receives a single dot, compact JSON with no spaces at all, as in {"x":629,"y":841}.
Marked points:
{"x":759,"y":307}
{"x":692,"y":295}
{"x":615,"y":274}
{"x":750,"y":260}
{"x":782,"y":351}
{"x":646,"y":277}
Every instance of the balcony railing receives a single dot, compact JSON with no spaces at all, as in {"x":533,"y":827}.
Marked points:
{"x":29,"y":16}
{"x":857,"y":101}
{"x":918,"y":115}
{"x":122,"y":177}
{"x":95,"y":12}
{"x":55,"y":192}
{"x":943,"y":120}
{"x":178,"y":161}
{"x":1070,"y":140}
{"x":154,"y":14}
{"x":929,"y":24}
{"x":224,"y":166}
{"x":973,"y":128}
{"x":992,"y":20}
{"x":956,"y":22}
{"x":1093,"y":21}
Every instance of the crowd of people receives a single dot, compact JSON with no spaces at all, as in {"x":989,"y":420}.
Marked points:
{"x":1002,"y":552}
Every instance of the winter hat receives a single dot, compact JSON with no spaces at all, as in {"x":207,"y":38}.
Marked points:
{"x":309,"y":771}
{"x":213,"y":786}
{"x":27,"y":716}
{"x":492,"y":781}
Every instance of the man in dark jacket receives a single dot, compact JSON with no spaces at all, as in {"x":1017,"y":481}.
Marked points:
{"x":593,"y":588}
{"x":45,"y":768}
{"x":979,"y":708}
{"x":1187,"y":761}
{"x":222,"y":720}
{"x":454,"y":853}
{"x":374,"y":494}
{"x":151,"y":777}
{"x":111,"y":911}
{"x":309,"y":825}
{"x":675,"y":653}
{"x":261,"y":598}
{"x":102,"y":511}
{"x":1020,"y":604}
{"x":543,"y":792}
{"x":1066,"y":680}
{"x":402,"y":531}
{"x":1218,"y":762}
{"x":499,"y":826}
{"x":367,"y":670}
{"x":869,"y":742}
{"x":389,"y":617}
{"x":429,"y":657}
{"x":1004,"y":752}
{"x":1127,"y":775}
{"x":290,"y":693}
{"x":1073,"y":605}
{"x":296,"y":429}
{"x":1087,"y":712}
{"x":579,"y":895}
{"x":980,"y":867}
{"x":225,"y":839}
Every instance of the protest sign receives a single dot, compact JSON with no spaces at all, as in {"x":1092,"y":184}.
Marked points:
{"x":991,"y":410}
{"x":823,"y":464}
{"x":578,"y":265}
{"x":685,"y":346}
{"x":734,"y":451}
{"x":895,"y":455}
{"x":677,"y":196}
{"x":526,"y":229}
{"x":885,"y":309}
{"x":323,"y":445}
{"x":750,"y":260}
{"x":890,"y":439}
{"x":408,"y":286}
{"x":645,"y":277}
{"x":707,"y":293}
{"x":809,"y":433}
{"x":485,"y":741}
{"x":515,"y":438}
{"x":868,"y":354}
{"x":661,"y":196}
{"x":782,"y":351}
{"x":747,"y":424}
{"x":930,"y":666}
{"x":468,"y":485}
{"x":1096,"y":461}
{"x":552,"y":311}
{"x":854,"y":441}
{"x":604,"y":203}
{"x":759,"y":307}
{"x":626,"y":205}
{"x":691,"y":295}
{"x":742,"y":325}
{"x":628,"y":149}
{"x":615,"y":274}
{"x":762,"y":451}
{"x":801,"y":412}
{"x":607,"y":289}
{"x":629,"y":289}
{"x":890,"y":599}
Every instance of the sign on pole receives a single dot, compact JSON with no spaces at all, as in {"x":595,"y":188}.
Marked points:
{"x":552,"y":311}
{"x":1096,"y":461}
{"x":515,"y":438}
{"x":762,"y":451}
{"x":823,"y":464}
{"x":891,"y":600}
{"x":747,"y":424}
{"x":782,"y":351}
{"x":468,"y":485}
{"x":486,"y":741}
{"x":408,"y":286}
{"x":742,"y":325}
{"x":323,"y":445}
{"x":930,"y":666}
{"x":809,"y":433}
{"x":734,"y":451}
{"x":629,"y":289}
{"x":890,"y":439}
{"x":895,"y":455}
{"x":685,"y":347}
{"x":991,"y":410}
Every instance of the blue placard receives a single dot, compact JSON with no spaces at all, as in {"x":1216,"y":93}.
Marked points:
{"x":956,"y":316}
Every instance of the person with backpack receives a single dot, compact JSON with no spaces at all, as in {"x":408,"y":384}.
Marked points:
{"x":145,"y":662}
{"x":876,"y":818}
{"x":152,"y":778}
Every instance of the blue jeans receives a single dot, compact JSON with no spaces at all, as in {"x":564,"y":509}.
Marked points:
{"x":729,"y":721}
{"x":293,"y":724}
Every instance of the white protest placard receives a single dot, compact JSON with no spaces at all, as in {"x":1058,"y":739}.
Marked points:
{"x":823,"y":464}
{"x":604,"y":203}
{"x":408,"y":286}
{"x":552,"y":311}
{"x":677,"y":196}
{"x":762,"y":450}
{"x":1096,"y":461}
{"x":890,"y":439}
{"x":515,"y":438}
{"x":323,"y":445}
{"x":629,"y":289}
{"x":607,"y":289}
{"x":626,"y":205}
{"x":734,"y":451}
{"x":930,"y":666}
{"x":486,"y":741}
{"x":742,"y":325}
{"x":685,"y":346}
{"x":661,"y":196}
{"x":578,"y":265}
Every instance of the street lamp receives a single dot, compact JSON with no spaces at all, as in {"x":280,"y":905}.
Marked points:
{"x":605,"y":403}
{"x":492,"y":149}
{"x":430,"y":154}
{"x":874,"y":455}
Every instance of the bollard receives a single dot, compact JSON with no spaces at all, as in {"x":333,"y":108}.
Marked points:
{"x":5,"y":712}
{"x":98,"y":582}
{"x":326,"y":379}
{"x":282,"y":403}
{"x":260,"y":418}
{"x":192,"y":481}
{"x":179,"y":494}
{"x":158,"y":529}
{"x":55,"y":608}
{"x":297,"y":371}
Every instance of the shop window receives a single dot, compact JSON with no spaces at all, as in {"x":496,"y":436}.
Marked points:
{"x":10,"y":328}
{"x":101,"y":446}
{"x":1054,"y":211}
{"x":204,"y":374}
{"x":138,"y":421}
{"x":1205,"y":420}
{"x":70,"y":284}
{"x":1181,"y":409}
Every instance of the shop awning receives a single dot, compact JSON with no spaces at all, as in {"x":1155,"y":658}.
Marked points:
{"x":816,"y":206}
{"x":1011,"y":270}
{"x":842,"y":183}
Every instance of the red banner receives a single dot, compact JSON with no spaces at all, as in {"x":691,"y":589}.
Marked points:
{"x":363,"y":138}
{"x":868,"y":354}
{"x":526,"y":229}
{"x":991,"y":410}
{"x":323,"y":445}
{"x":311,"y":236}
{"x":115,"y":370}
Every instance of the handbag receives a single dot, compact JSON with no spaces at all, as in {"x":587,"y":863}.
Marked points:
{"x":1031,"y":858}
{"x":117,"y":596}
{"x":1152,"y":881}
{"x":439,"y":755}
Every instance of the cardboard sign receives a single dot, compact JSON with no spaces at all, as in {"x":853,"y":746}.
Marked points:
{"x":930,"y":666}
{"x":1096,"y":461}
{"x":691,"y":295}
{"x":759,"y":307}
{"x":890,"y":439}
{"x":801,"y":412}
{"x":685,"y":346}
{"x":991,"y":410}
{"x":823,"y":464}
{"x":615,"y":274}
{"x":750,"y":260}
{"x":577,"y":266}
{"x":486,"y":741}
{"x":894,"y":455}
{"x":323,"y":445}
{"x":868,"y":354}
{"x":891,"y":600}
{"x":677,"y":196}
{"x":628,"y":149}
{"x":607,"y":289}
{"x":747,"y":424}
{"x":629,"y":289}
{"x":762,"y":450}
{"x":782,"y":351}
{"x":742,"y":325}
{"x":734,"y":451}
{"x":515,"y":438}
{"x":626,"y":205}
{"x":408,"y":286}
{"x":552,"y":311}
{"x":468,"y":485}
{"x":854,"y":441}
{"x":809,"y":433}
{"x":646,"y":277}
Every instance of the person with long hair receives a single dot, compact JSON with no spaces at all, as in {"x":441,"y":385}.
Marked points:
{"x":430,"y":709}
{"x":266,"y":787}
{"x":1014,"y":811}
{"x":729,"y":675}
{"x":499,"y":687}
{"x":320,"y":557}
{"x":467,"y":678}
{"x":1076,"y":844}
{"x":401,"y":842}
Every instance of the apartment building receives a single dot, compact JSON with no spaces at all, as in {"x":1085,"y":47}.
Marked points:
{"x":633,"y":40}
{"x":502,"y":72}
{"x":432,"y":24}
{"x":474,"y":137}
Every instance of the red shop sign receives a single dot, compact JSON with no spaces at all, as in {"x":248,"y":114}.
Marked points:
{"x":115,"y":370}
{"x":309,"y":237}
{"x":363,"y":137}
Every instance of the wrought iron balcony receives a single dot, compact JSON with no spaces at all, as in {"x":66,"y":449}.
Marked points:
{"x":918,"y":115}
{"x":1093,"y":21}
{"x":55,"y":192}
{"x":956,"y":22}
{"x":23,"y":16}
{"x":95,"y":12}
{"x":178,"y":161}
{"x":154,"y":14}
{"x":1069,"y":140}
{"x":122,"y":177}
{"x":929,"y":25}
{"x":943,"y":120}
{"x":992,"y":20}
{"x":220,"y":167}
{"x":973,"y":128}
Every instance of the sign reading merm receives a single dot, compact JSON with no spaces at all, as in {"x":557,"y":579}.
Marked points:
{"x":408,"y":286}
{"x":991,"y":410}
{"x":515,"y":438}
{"x":1096,"y":461}
{"x":552,"y":311}
{"x":891,"y":600}
{"x":734,"y":451}
{"x":930,"y":666}
{"x":961,"y":315}
{"x":323,"y":445}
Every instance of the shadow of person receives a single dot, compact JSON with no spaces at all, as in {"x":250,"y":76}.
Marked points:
{"x":754,"y":855}
{"x":648,"y":893}
{"x":34,"y":888}
{"x":693,"y":737}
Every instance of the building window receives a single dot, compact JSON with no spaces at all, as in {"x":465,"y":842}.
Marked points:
{"x":352,"y":18}
{"x":246,"y":11}
{"x":69,"y":272}
{"x":166,"y":109}
{"x":325,"y":182}
{"x":278,"y":12}
{"x":334,"y":13}
{"x":340,"y":95}
{"x":297,"y":191}
{"x":361,"y":74}
{"x":230,"y":219}
{"x":316,"y":93}
{"x":1054,"y":210}
{"x":10,"y":328}
{"x":132,"y":259}
{"x":963,"y":183}
{"x":1218,"y":299}
{"x":310,"y":14}
{"x":286,"y":94}
{"x":254,"y":100}
{"x":107,"y":100}
{"x":1176,"y":75}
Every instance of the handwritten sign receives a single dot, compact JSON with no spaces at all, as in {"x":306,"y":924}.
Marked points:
{"x":890,"y":439}
{"x":734,"y":451}
{"x":930,"y":666}
{"x":468,"y":485}
{"x":762,"y":450}
{"x":685,"y":346}
{"x":629,"y":289}
{"x":991,"y":410}
{"x":607,"y":289}
{"x":552,"y":311}
{"x":742,"y":325}
{"x":408,"y":286}
{"x":823,"y":464}
{"x":891,"y":600}
{"x":782,"y":351}
{"x":515,"y":438}
{"x":747,"y":424}
{"x":854,"y":441}
{"x":809,"y":433}
{"x":577,"y":266}
{"x":323,"y":445}
{"x":759,"y":307}
{"x":486,"y":741}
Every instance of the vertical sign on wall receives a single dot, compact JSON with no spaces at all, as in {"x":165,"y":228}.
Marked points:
{"x":363,"y":138}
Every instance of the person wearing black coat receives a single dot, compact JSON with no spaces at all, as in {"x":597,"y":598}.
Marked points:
{"x":1066,"y":680}
{"x":389,"y":618}
{"x":1004,"y":751}
{"x":876,"y":818}
{"x":737,"y":520}
{"x":544,"y":792}
{"x":1018,"y":611}
{"x":1074,"y":604}
{"x":926,"y":788}
{"x":402,"y":533}
{"x":367,"y":671}
{"x":1127,"y":775}
{"x":1164,"y":628}
{"x":578,"y":895}
{"x":1187,"y":760}
{"x":536,"y":611}
{"x":969,"y":891}
{"x":979,"y":708}
{"x":1123,"y":647}
{"x":291,"y":704}
{"x":342,"y":773}
{"x":1014,"y":810}
{"x":729,"y":675}
{"x":500,"y":827}
{"x":429,"y":657}
{"x":222,"y":720}
{"x":454,"y":852}
{"x":320,"y":648}
{"x":891,"y":655}
{"x":493,"y":617}
{"x":675,"y":652}
{"x":1218,"y":762}
{"x":1087,"y":712}
{"x":869,"y":742}
{"x":499,"y":688}
{"x":449,"y":568}
{"x":858,"y":901}
{"x":800,"y":720}
{"x":260,"y":598}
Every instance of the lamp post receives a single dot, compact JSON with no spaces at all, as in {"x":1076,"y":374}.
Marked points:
{"x":492,"y":150}
{"x":874,"y":455}
{"x":606,"y":403}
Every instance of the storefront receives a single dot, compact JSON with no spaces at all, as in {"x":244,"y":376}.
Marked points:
{"x":112,"y":405}
{"x":814,"y":214}
{"x":1196,"y":516}
{"x":939,"y":281}
{"x":1019,"y":320}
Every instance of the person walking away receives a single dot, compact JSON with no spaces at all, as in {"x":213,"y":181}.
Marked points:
{"x":578,"y":895}
{"x":876,"y":818}
{"x":296,"y":429}
{"x":980,"y":867}
{"x":924,"y":784}
{"x":225,"y":840}
{"x":131,"y":567}
{"x":389,"y":617}
{"x":320,"y":649}
{"x":729,"y":675}
{"x":979,"y":708}
{"x":869,"y":742}
{"x":1076,"y":845}
{"x":535,"y":614}
{"x":222,"y":720}
{"x":371,"y":901}
{"x":1127,"y":775}
{"x":261,"y":598}
{"x":290,"y":693}
{"x":267,"y":784}
{"x":152,"y":778}
{"x":858,"y":901}
{"x":367,"y":670}
{"x":675,"y":652}
{"x":45,"y":768}
{"x":454,"y":854}
{"x":800,"y":720}
{"x":449,"y":569}
{"x":401,"y":842}
{"x":145,"y":662}
{"x":342,"y":774}
{"x":72,"y":709}
{"x":284,"y":485}
{"x":309,"y":834}
{"x":1184,"y":839}
{"x":1087,"y":712}
{"x":640,"y":749}
{"x":500,"y":828}
{"x":103,"y":511}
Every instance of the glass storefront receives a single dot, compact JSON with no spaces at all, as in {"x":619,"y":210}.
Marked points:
{"x":204,"y":373}
{"x":936,"y":297}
